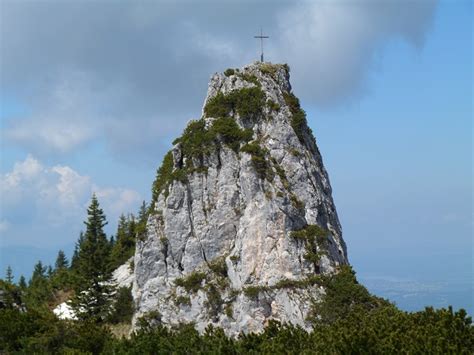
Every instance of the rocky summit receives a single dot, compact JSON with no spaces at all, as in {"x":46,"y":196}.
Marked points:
{"x":242,"y":227}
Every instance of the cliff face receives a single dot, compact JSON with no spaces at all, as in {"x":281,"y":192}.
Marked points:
{"x":243,"y":220}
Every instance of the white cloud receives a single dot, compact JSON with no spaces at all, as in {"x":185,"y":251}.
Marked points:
{"x":37,"y":196}
{"x":63,"y":118}
{"x":22,"y":171}
{"x":146,"y":90}
{"x":331,"y":45}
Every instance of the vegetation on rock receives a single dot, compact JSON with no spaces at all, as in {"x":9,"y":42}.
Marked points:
{"x":347,"y":320}
{"x":298,"y":117}
{"x":191,"y":282}
{"x":315,"y":239}
{"x":247,"y":102}
{"x":259,"y":160}
{"x":229,"y":72}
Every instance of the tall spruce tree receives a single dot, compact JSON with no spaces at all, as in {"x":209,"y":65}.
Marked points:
{"x":92,"y":300}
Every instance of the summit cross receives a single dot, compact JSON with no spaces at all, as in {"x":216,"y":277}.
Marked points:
{"x":261,"y":37}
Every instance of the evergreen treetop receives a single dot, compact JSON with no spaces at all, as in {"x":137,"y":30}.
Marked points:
{"x":9,"y":275}
{"x":92,"y":300}
{"x":61,"y":261}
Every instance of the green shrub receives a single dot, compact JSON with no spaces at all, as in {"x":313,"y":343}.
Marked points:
{"x":269,"y":69}
{"x":313,"y":236}
{"x":259,"y":162}
{"x":281,"y":173}
{"x":295,"y":152}
{"x":228,"y":310}
{"x":250,"y":78}
{"x":182,"y":300}
{"x":298,"y":117}
{"x":123,"y":308}
{"x":214,"y":300}
{"x":229,"y":72}
{"x":192,"y":282}
{"x":218,"y":106}
{"x":218,"y":266}
{"x":230,"y":132}
{"x":272,"y":105}
{"x":163,"y":175}
{"x":254,"y":291}
{"x":247,"y":102}
{"x":196,"y":140}
{"x":297,"y":203}
{"x":343,"y":293}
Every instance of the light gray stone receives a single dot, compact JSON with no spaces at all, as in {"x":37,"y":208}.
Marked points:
{"x":231,"y":213}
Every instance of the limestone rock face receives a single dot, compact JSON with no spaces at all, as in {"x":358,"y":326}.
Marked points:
{"x":220,"y":246}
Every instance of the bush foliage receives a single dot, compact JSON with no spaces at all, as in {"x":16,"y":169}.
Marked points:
{"x":348,"y":321}
{"x":247,"y":102}
{"x":298,"y":117}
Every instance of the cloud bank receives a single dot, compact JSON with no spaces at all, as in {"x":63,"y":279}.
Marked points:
{"x":132,"y":73}
{"x":53,"y":199}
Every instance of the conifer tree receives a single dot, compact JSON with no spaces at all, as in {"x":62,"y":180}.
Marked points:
{"x":49,"y":271}
{"x":124,"y":247}
{"x":61,"y":261}
{"x":142,"y":219}
{"x":39,"y":289}
{"x":75,"y":256}
{"x":93,"y":290}
{"x":9,"y":275}
{"x":39,"y":273}
{"x":62,"y":275}
{"x":22,"y":283}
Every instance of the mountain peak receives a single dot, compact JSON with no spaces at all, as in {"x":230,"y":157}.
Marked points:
{"x":242,"y":224}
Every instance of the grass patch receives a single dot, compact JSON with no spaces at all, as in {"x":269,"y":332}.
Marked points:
{"x":254,"y":291}
{"x":303,"y":283}
{"x":250,"y":78}
{"x":192,"y":282}
{"x":268,"y":69}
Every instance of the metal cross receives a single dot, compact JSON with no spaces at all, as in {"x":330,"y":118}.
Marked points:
{"x":261,"y":43}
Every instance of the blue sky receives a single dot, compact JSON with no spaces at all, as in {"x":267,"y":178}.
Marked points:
{"x":387,"y":89}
